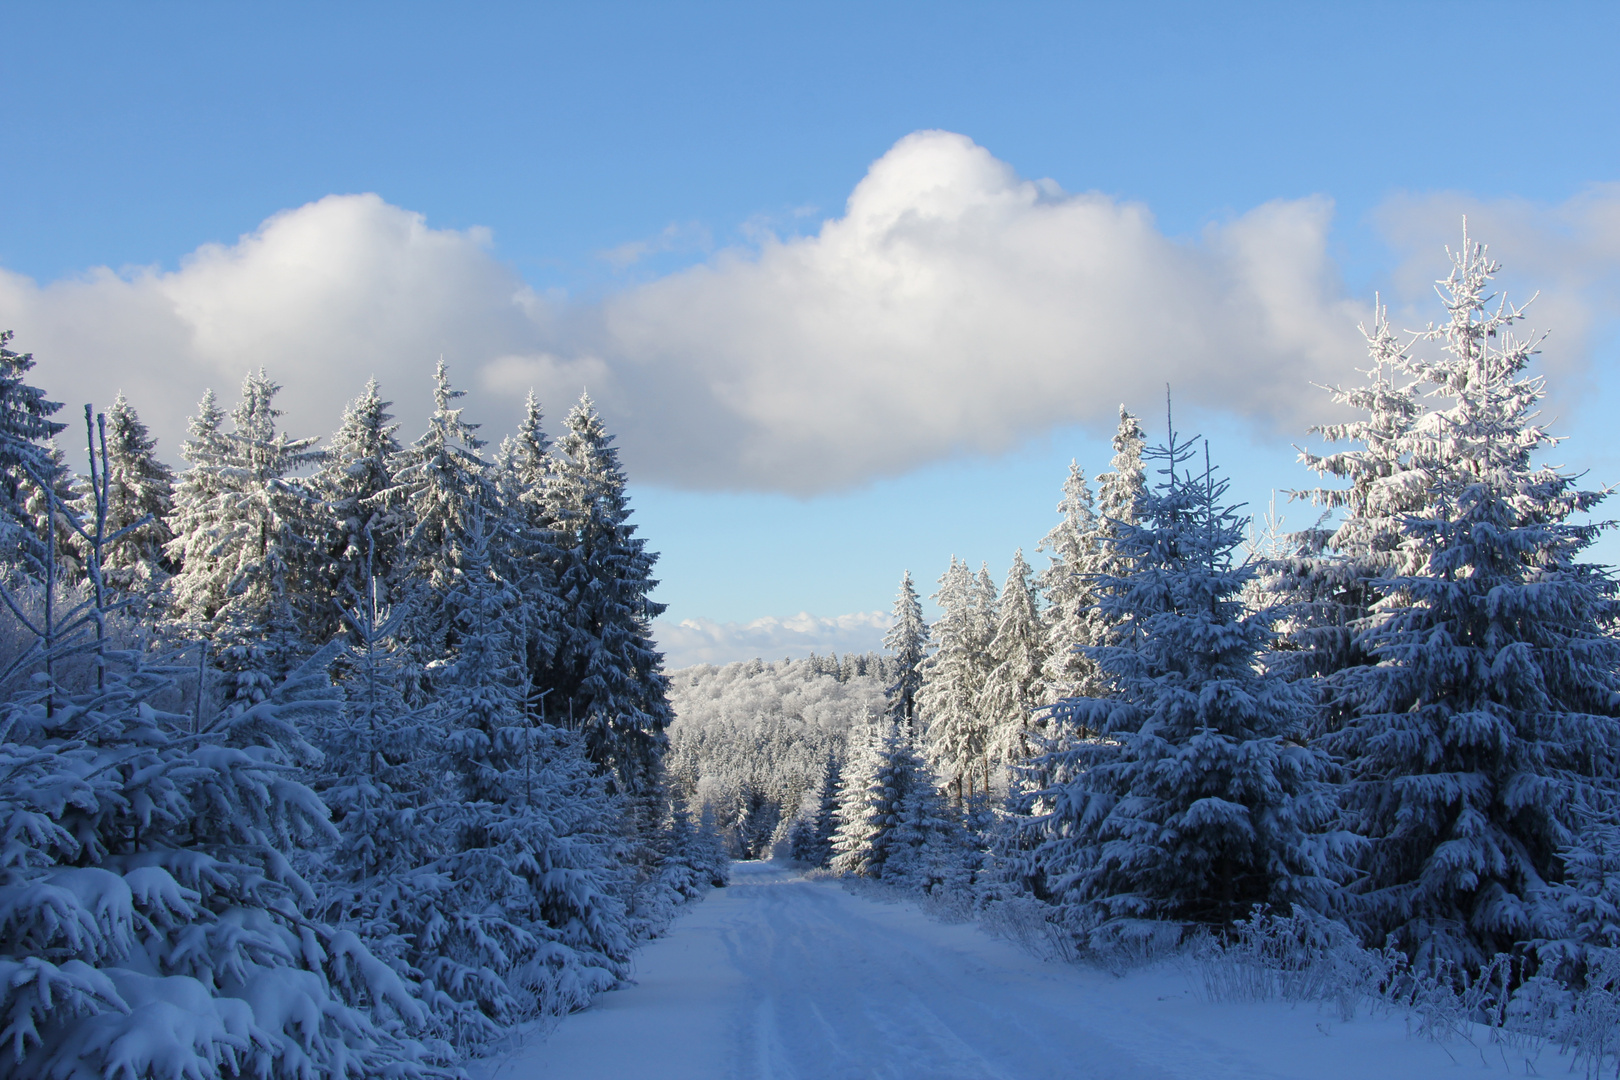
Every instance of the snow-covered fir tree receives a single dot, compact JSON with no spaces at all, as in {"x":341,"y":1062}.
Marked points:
{"x":1013,"y":688}
{"x":929,"y":850}
{"x":26,"y":428}
{"x":1119,"y":490}
{"x":907,"y":642}
{"x":955,"y":734}
{"x":242,"y":527}
{"x":811,"y":838}
{"x":138,"y":486}
{"x":1073,"y":620}
{"x":527,"y":552}
{"x":1322,"y":587}
{"x":534,"y":830}
{"x":1194,"y":803}
{"x":882,"y":768}
{"x":153,"y":924}
{"x":1490,"y":714}
{"x":445,"y":489}
{"x":605,"y":670}
{"x":363,"y":528}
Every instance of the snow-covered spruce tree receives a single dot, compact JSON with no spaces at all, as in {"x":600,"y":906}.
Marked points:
{"x":810,"y":840}
{"x":955,"y":734}
{"x":606,"y":672}
{"x":138,"y":486}
{"x":1118,"y":492}
{"x":445,"y":489}
{"x":882,"y":769}
{"x":383,"y":777}
{"x":1072,"y":617}
{"x":25,"y":429}
{"x":363,"y":529}
{"x":1490,"y":715}
{"x":1323,"y":588}
{"x":150,"y":921}
{"x":929,"y":850}
{"x":1194,"y":803}
{"x":754,"y":818}
{"x":1013,"y":688}
{"x":907,"y":641}
{"x":693,"y":860}
{"x":527,"y":554}
{"x":535,"y":832}
{"x":242,"y":527}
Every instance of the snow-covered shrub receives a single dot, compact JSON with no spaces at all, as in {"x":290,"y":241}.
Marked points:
{"x":1296,"y":957}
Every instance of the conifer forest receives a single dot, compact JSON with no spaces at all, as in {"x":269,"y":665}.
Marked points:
{"x":349,"y":757}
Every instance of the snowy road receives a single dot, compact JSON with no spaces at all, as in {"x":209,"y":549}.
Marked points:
{"x":782,"y":978}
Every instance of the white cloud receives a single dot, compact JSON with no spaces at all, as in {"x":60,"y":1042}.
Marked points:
{"x":704,"y":641}
{"x":1568,"y":251}
{"x":321,"y":296}
{"x":952,"y":308}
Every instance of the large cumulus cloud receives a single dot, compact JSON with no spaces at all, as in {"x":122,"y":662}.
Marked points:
{"x":953,"y":307}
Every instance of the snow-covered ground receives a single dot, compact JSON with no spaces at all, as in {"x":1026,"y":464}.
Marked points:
{"x":784,"y":978}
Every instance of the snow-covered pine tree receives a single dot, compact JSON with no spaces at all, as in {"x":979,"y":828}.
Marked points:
{"x":929,"y":850}
{"x":1323,"y":588}
{"x":1490,"y":714}
{"x":810,"y":841}
{"x":138,"y":486}
{"x":955,"y":734}
{"x":363,"y":530}
{"x":693,"y":863}
{"x":242,"y":525}
{"x":606,"y":672}
{"x":881,"y":770}
{"x":25,"y":458}
{"x":1118,"y":491}
{"x":152,"y":924}
{"x":1013,"y":688}
{"x":535,"y":829}
{"x":445,"y":489}
{"x":1073,"y":620}
{"x":1195,"y":803}
{"x":527,"y":553}
{"x":907,"y":640}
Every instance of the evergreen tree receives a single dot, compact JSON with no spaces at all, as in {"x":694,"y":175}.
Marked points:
{"x":1073,"y":618}
{"x":242,"y":522}
{"x":138,"y":486}
{"x":882,"y":769}
{"x":1489,"y":715}
{"x":1018,"y":652}
{"x":1195,"y":803}
{"x":534,"y":831}
{"x":527,"y":554}
{"x":443,"y":486}
{"x":929,"y":850}
{"x":364,"y":529}
{"x":606,"y":672}
{"x":812,"y":836}
{"x":955,"y":733}
{"x":1118,"y":493}
{"x":25,"y":461}
{"x":1323,"y":588}
{"x":907,"y":639}
{"x":153,"y":924}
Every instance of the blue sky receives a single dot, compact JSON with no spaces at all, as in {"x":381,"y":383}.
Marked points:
{"x":638,"y":197}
